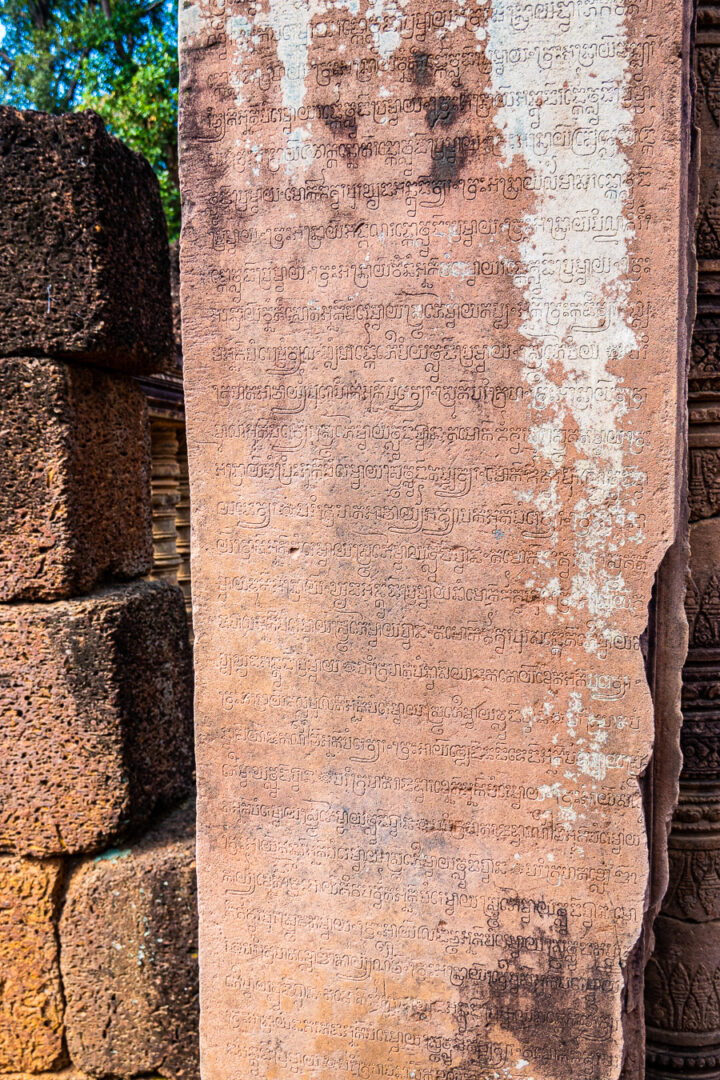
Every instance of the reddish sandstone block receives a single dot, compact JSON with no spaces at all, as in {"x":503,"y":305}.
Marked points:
{"x":84,"y":266}
{"x":64,"y":1074}
{"x":75,"y":467}
{"x":129,"y":957}
{"x":31,"y":1004}
{"x":96,"y":707}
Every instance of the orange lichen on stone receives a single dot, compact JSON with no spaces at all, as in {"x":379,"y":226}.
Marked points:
{"x":129,"y":956}
{"x":31,"y":1001}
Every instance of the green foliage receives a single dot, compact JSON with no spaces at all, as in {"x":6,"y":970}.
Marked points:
{"x":118,"y":57}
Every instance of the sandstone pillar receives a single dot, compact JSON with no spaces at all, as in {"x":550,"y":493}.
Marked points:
{"x":434,"y":292}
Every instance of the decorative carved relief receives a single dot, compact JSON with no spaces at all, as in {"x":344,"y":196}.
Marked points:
{"x":165,"y":496}
{"x":705,"y":358}
{"x":704,"y":483}
{"x":182,"y":526}
{"x":694,"y":890}
{"x":682,"y":986}
{"x":682,"y":983}
{"x":708,"y":79}
{"x":682,"y":998}
{"x":708,"y":118}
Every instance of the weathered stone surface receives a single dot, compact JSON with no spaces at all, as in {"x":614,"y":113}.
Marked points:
{"x":683,"y":996}
{"x":75,"y":467}
{"x":63,"y":1074}
{"x":129,"y":957}
{"x":31,"y":1003}
{"x":683,"y":977}
{"x":96,"y":707}
{"x":83,"y":245}
{"x":434,"y":285}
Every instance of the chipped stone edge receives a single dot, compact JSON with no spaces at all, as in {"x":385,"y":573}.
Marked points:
{"x":667,"y":622}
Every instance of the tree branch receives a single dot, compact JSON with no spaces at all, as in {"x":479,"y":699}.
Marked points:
{"x":40,"y":13}
{"x":7,"y":63}
{"x":74,"y":79}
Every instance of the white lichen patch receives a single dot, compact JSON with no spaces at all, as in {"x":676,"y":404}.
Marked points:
{"x":592,"y":763}
{"x":291,"y":24}
{"x":292,"y":157}
{"x":385,"y":19}
{"x":190,"y":21}
{"x":580,"y":307}
{"x":239,"y":30}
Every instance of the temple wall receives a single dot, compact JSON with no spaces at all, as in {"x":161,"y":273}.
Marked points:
{"x":98,"y":924}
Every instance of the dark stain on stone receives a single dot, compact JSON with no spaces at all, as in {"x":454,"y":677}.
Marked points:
{"x":421,"y":69}
{"x":448,"y":160}
{"x":343,"y":126}
{"x":449,"y":156}
{"x":445,"y":110}
{"x":562,"y":1030}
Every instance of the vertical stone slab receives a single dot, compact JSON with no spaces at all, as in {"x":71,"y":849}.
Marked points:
{"x":434,"y":293}
{"x":683,"y":976}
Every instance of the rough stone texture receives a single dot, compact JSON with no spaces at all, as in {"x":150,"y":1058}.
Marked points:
{"x":96,"y":707}
{"x":83,"y":245}
{"x":683,"y":994}
{"x":63,"y":1074}
{"x":75,"y":467}
{"x":434,"y":281}
{"x":31,"y":1003}
{"x":666,"y":647}
{"x":682,"y":999}
{"x":129,"y":957}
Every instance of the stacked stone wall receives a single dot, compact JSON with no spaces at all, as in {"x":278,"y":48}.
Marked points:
{"x":98,"y":925}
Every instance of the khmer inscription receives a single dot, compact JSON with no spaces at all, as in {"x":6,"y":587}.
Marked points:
{"x":433,"y":261}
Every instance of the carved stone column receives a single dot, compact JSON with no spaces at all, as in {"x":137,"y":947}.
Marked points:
{"x":683,"y":976}
{"x":165,"y":496}
{"x":182,"y":525}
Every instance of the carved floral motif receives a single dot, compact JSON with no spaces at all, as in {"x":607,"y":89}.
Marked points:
{"x":683,"y":999}
{"x":682,"y":980}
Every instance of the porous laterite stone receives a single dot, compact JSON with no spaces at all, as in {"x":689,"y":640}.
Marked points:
{"x":63,"y":1074}
{"x":31,"y":1003}
{"x":129,"y":957}
{"x":75,"y":467}
{"x":97,"y":723}
{"x":84,"y":268}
